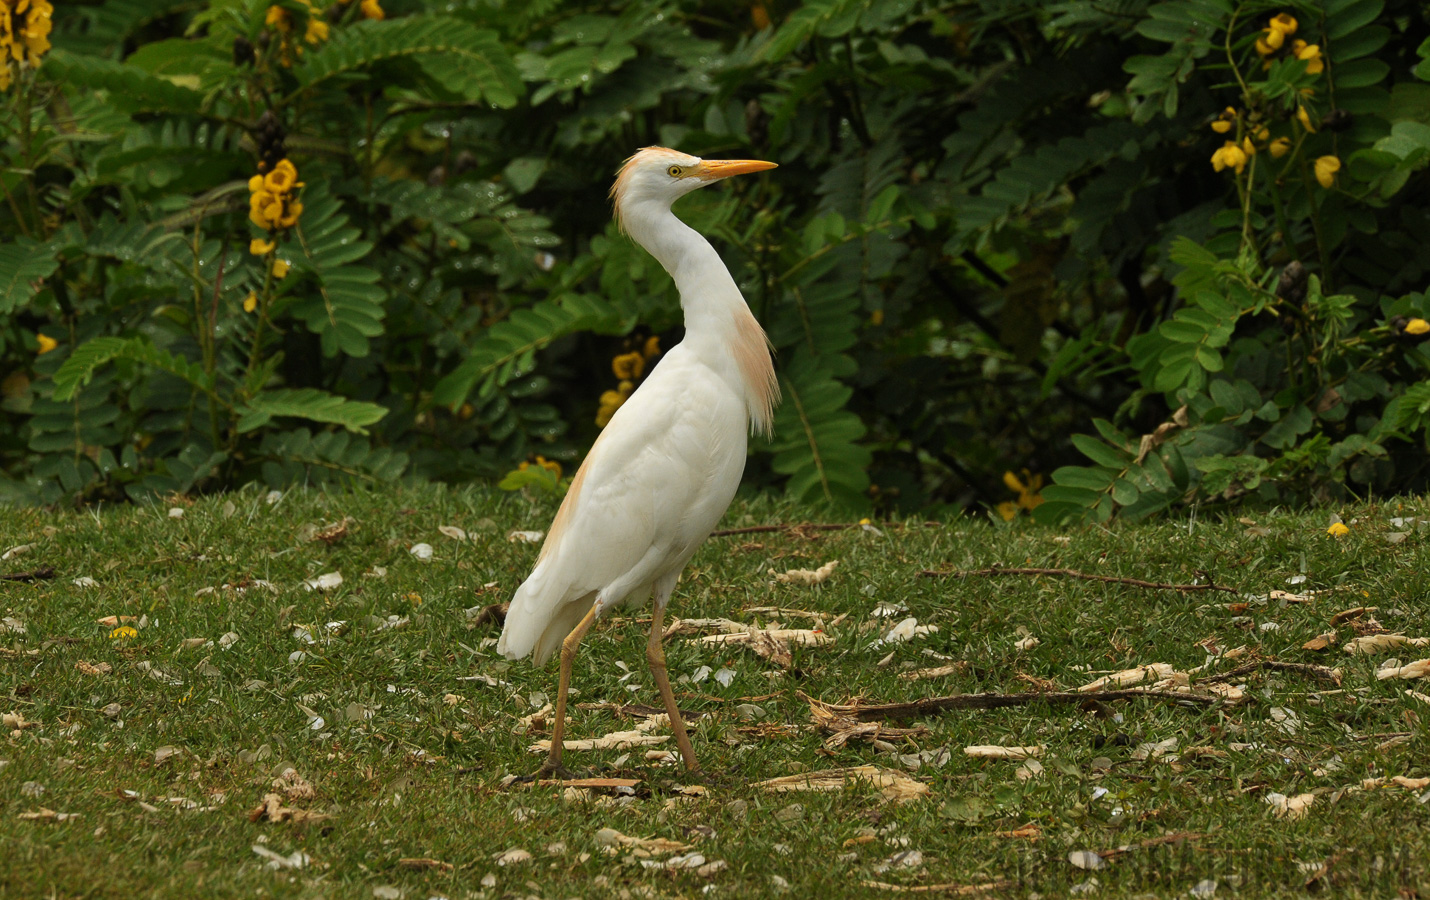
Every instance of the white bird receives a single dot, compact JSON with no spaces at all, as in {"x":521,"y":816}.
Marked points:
{"x":666,"y":466}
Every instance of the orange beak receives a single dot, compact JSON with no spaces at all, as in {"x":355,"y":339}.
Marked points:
{"x":712,"y":169}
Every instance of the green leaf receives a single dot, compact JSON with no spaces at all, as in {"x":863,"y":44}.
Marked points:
{"x":1101,"y":453}
{"x":471,"y":61}
{"x":24,"y":266}
{"x":129,"y":87}
{"x":1091,"y":478}
{"x":311,"y":404}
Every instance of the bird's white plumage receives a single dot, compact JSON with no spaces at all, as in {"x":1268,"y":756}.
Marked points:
{"x":666,"y":466}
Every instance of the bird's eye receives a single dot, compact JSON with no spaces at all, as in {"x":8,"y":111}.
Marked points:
{"x":674,"y":171}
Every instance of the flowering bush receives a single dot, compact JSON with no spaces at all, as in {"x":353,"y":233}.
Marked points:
{"x":317,"y":242}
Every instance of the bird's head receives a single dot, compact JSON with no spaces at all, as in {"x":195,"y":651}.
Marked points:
{"x":661,"y":175}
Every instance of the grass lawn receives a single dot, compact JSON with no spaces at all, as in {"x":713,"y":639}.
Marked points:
{"x":152,"y":756}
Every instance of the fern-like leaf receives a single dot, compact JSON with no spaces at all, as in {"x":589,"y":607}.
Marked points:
{"x":311,"y":404}
{"x":815,"y":437}
{"x":24,"y":266}
{"x":130,"y":88}
{"x":466,"y":59}
{"x":347,"y":307}
{"x":508,"y":346}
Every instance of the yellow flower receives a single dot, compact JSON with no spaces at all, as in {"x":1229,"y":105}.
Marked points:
{"x":278,"y":17}
{"x":1262,"y":133}
{"x":1223,"y":122}
{"x":1326,"y":169}
{"x":628,"y":366}
{"x":1305,"y":119}
{"x":123,"y":633}
{"x":250,"y":303}
{"x":1230,"y":156}
{"x":1027,"y":491}
{"x":284,"y":177}
{"x":24,"y":34}
{"x":46,"y":343}
{"x":317,"y":31}
{"x":1280,"y":147}
{"x":259,"y":247}
{"x":549,"y":465}
{"x":1338,"y":529}
{"x":1270,"y":41}
{"x":1310,"y":54}
{"x":1417,"y":326}
{"x":1007,"y":510}
{"x":1283,"y":23}
{"x":652,"y":346}
{"x":280,"y":268}
{"x":1248,"y":147}
{"x":372,"y":10}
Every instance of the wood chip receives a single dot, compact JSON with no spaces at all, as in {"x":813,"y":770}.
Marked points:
{"x":1126,"y":677}
{"x":995,"y":751}
{"x":614,"y":842}
{"x":1376,"y":643}
{"x":893,"y":785}
{"x":616,"y":740}
{"x":271,"y":809}
{"x":808,"y":576}
{"x":952,"y":888}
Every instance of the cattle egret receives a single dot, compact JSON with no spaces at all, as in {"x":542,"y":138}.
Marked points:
{"x":665,"y":468}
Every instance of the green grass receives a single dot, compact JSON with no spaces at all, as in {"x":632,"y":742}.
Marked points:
{"x":405,"y":771}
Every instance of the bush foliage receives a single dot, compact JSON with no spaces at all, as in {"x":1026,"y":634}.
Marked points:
{"x":367,"y":240}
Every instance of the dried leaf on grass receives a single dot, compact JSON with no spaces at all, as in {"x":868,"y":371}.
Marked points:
{"x":995,"y":751}
{"x":271,"y":809}
{"x":807,"y":576}
{"x":616,"y":740}
{"x":1375,"y":643}
{"x":842,"y":729}
{"x":771,"y":644}
{"x":1290,"y":807}
{"x":935,"y":672}
{"x":293,"y":786}
{"x":893,"y":785}
{"x":17,"y":721}
{"x":295,"y":860}
{"x":45,"y":814}
{"x":1128,"y":677}
{"x":951,"y":889}
{"x":1418,"y":669}
{"x":421,"y":862}
{"x":615,"y":842}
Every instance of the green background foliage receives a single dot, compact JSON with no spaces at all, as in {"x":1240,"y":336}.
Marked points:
{"x":996,"y":241}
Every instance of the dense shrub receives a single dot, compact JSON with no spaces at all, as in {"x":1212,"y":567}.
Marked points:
{"x":992,"y":224}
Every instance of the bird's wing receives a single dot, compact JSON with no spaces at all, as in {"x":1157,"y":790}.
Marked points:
{"x":654,"y":484}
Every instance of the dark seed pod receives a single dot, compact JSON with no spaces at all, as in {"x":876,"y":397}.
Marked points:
{"x":1292,"y":286}
{"x":1336,"y":120}
{"x":465,"y":162}
{"x":243,"y":52}
{"x":437,"y":177}
{"x":269,"y":134}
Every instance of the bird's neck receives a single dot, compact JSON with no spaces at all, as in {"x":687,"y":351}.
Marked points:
{"x":719,"y":326}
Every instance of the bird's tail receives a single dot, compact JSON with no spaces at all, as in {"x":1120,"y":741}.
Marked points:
{"x":539,"y":619}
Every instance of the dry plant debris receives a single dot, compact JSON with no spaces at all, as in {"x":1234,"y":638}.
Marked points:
{"x":893,"y":785}
{"x":807,"y":576}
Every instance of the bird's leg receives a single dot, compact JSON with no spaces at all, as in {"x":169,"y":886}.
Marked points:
{"x":553,"y":766}
{"x":655,"y":653}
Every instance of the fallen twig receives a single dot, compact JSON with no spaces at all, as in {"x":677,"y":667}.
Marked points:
{"x":868,"y":712}
{"x":1324,"y":673}
{"x":43,"y":573}
{"x":1073,"y":573}
{"x":954,"y":889}
{"x":797,"y":528}
{"x":1176,"y":838}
